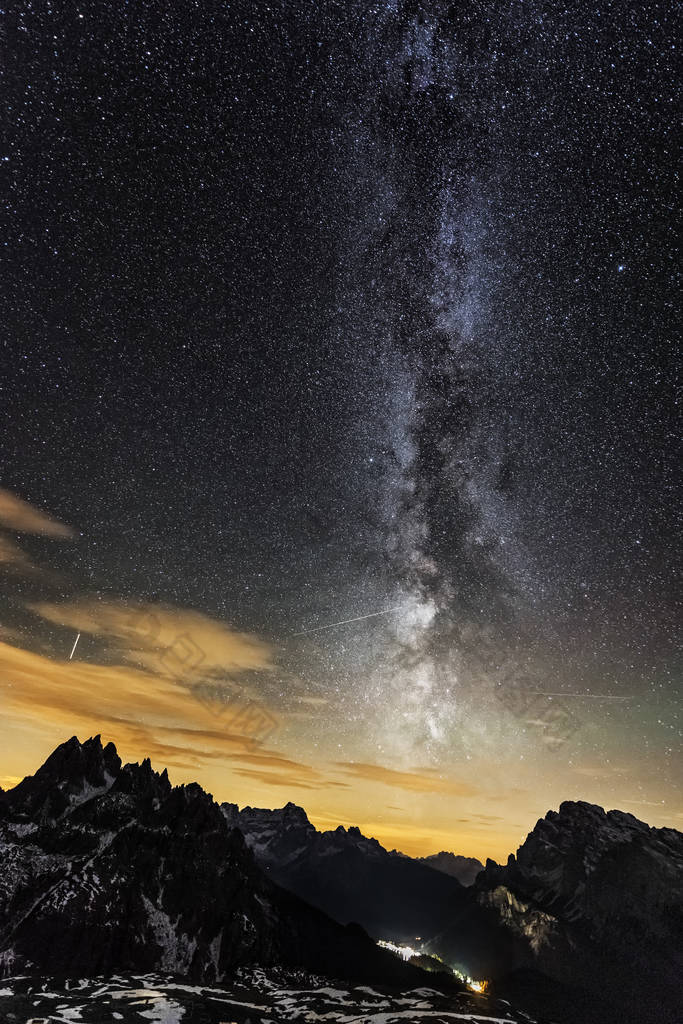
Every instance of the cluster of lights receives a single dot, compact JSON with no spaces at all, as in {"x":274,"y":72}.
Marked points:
{"x":477,"y":986}
{"x":407,"y":952}
{"x":473,"y":986}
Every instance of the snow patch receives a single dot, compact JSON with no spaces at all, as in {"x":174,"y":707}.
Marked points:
{"x":177,"y":949}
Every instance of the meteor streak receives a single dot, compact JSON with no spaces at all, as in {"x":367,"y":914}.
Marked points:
{"x":358,"y":618}
{"x":588,"y":696}
{"x":74,"y":646}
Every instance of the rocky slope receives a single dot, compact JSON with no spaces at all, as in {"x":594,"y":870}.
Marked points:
{"x":349,"y":876}
{"x":106,"y":867}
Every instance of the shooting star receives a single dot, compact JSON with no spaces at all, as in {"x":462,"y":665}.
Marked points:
{"x":74,"y":646}
{"x":587,"y":696}
{"x":358,"y":618}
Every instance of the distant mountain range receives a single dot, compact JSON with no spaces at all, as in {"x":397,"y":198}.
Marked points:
{"x":107,"y":868}
{"x":348,"y":875}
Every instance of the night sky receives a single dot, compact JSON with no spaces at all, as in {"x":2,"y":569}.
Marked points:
{"x":313,"y":311}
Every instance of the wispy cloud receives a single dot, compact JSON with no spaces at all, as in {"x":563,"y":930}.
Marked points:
{"x":276,"y":770}
{"x":19,"y":515}
{"x":289,"y":781}
{"x":419,"y":782}
{"x":479,"y":819}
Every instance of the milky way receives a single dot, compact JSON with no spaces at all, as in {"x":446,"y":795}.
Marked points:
{"x":315,"y":311}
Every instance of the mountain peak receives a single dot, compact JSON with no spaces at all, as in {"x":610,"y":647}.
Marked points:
{"x":72,"y":755}
{"x":577,"y":817}
{"x":294,"y":814}
{"x":72,"y":773}
{"x":141,"y":779}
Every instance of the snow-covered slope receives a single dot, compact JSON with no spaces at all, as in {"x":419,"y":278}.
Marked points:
{"x":251,"y":996}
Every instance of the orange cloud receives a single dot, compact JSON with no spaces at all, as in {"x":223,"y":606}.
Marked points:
{"x":174,"y":643}
{"x":479,"y":820}
{"x":420,"y":782}
{"x":16,"y":514}
{"x":268,"y":779}
{"x":276,"y":770}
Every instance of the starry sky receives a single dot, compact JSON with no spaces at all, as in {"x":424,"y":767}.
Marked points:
{"x":318,"y":312}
